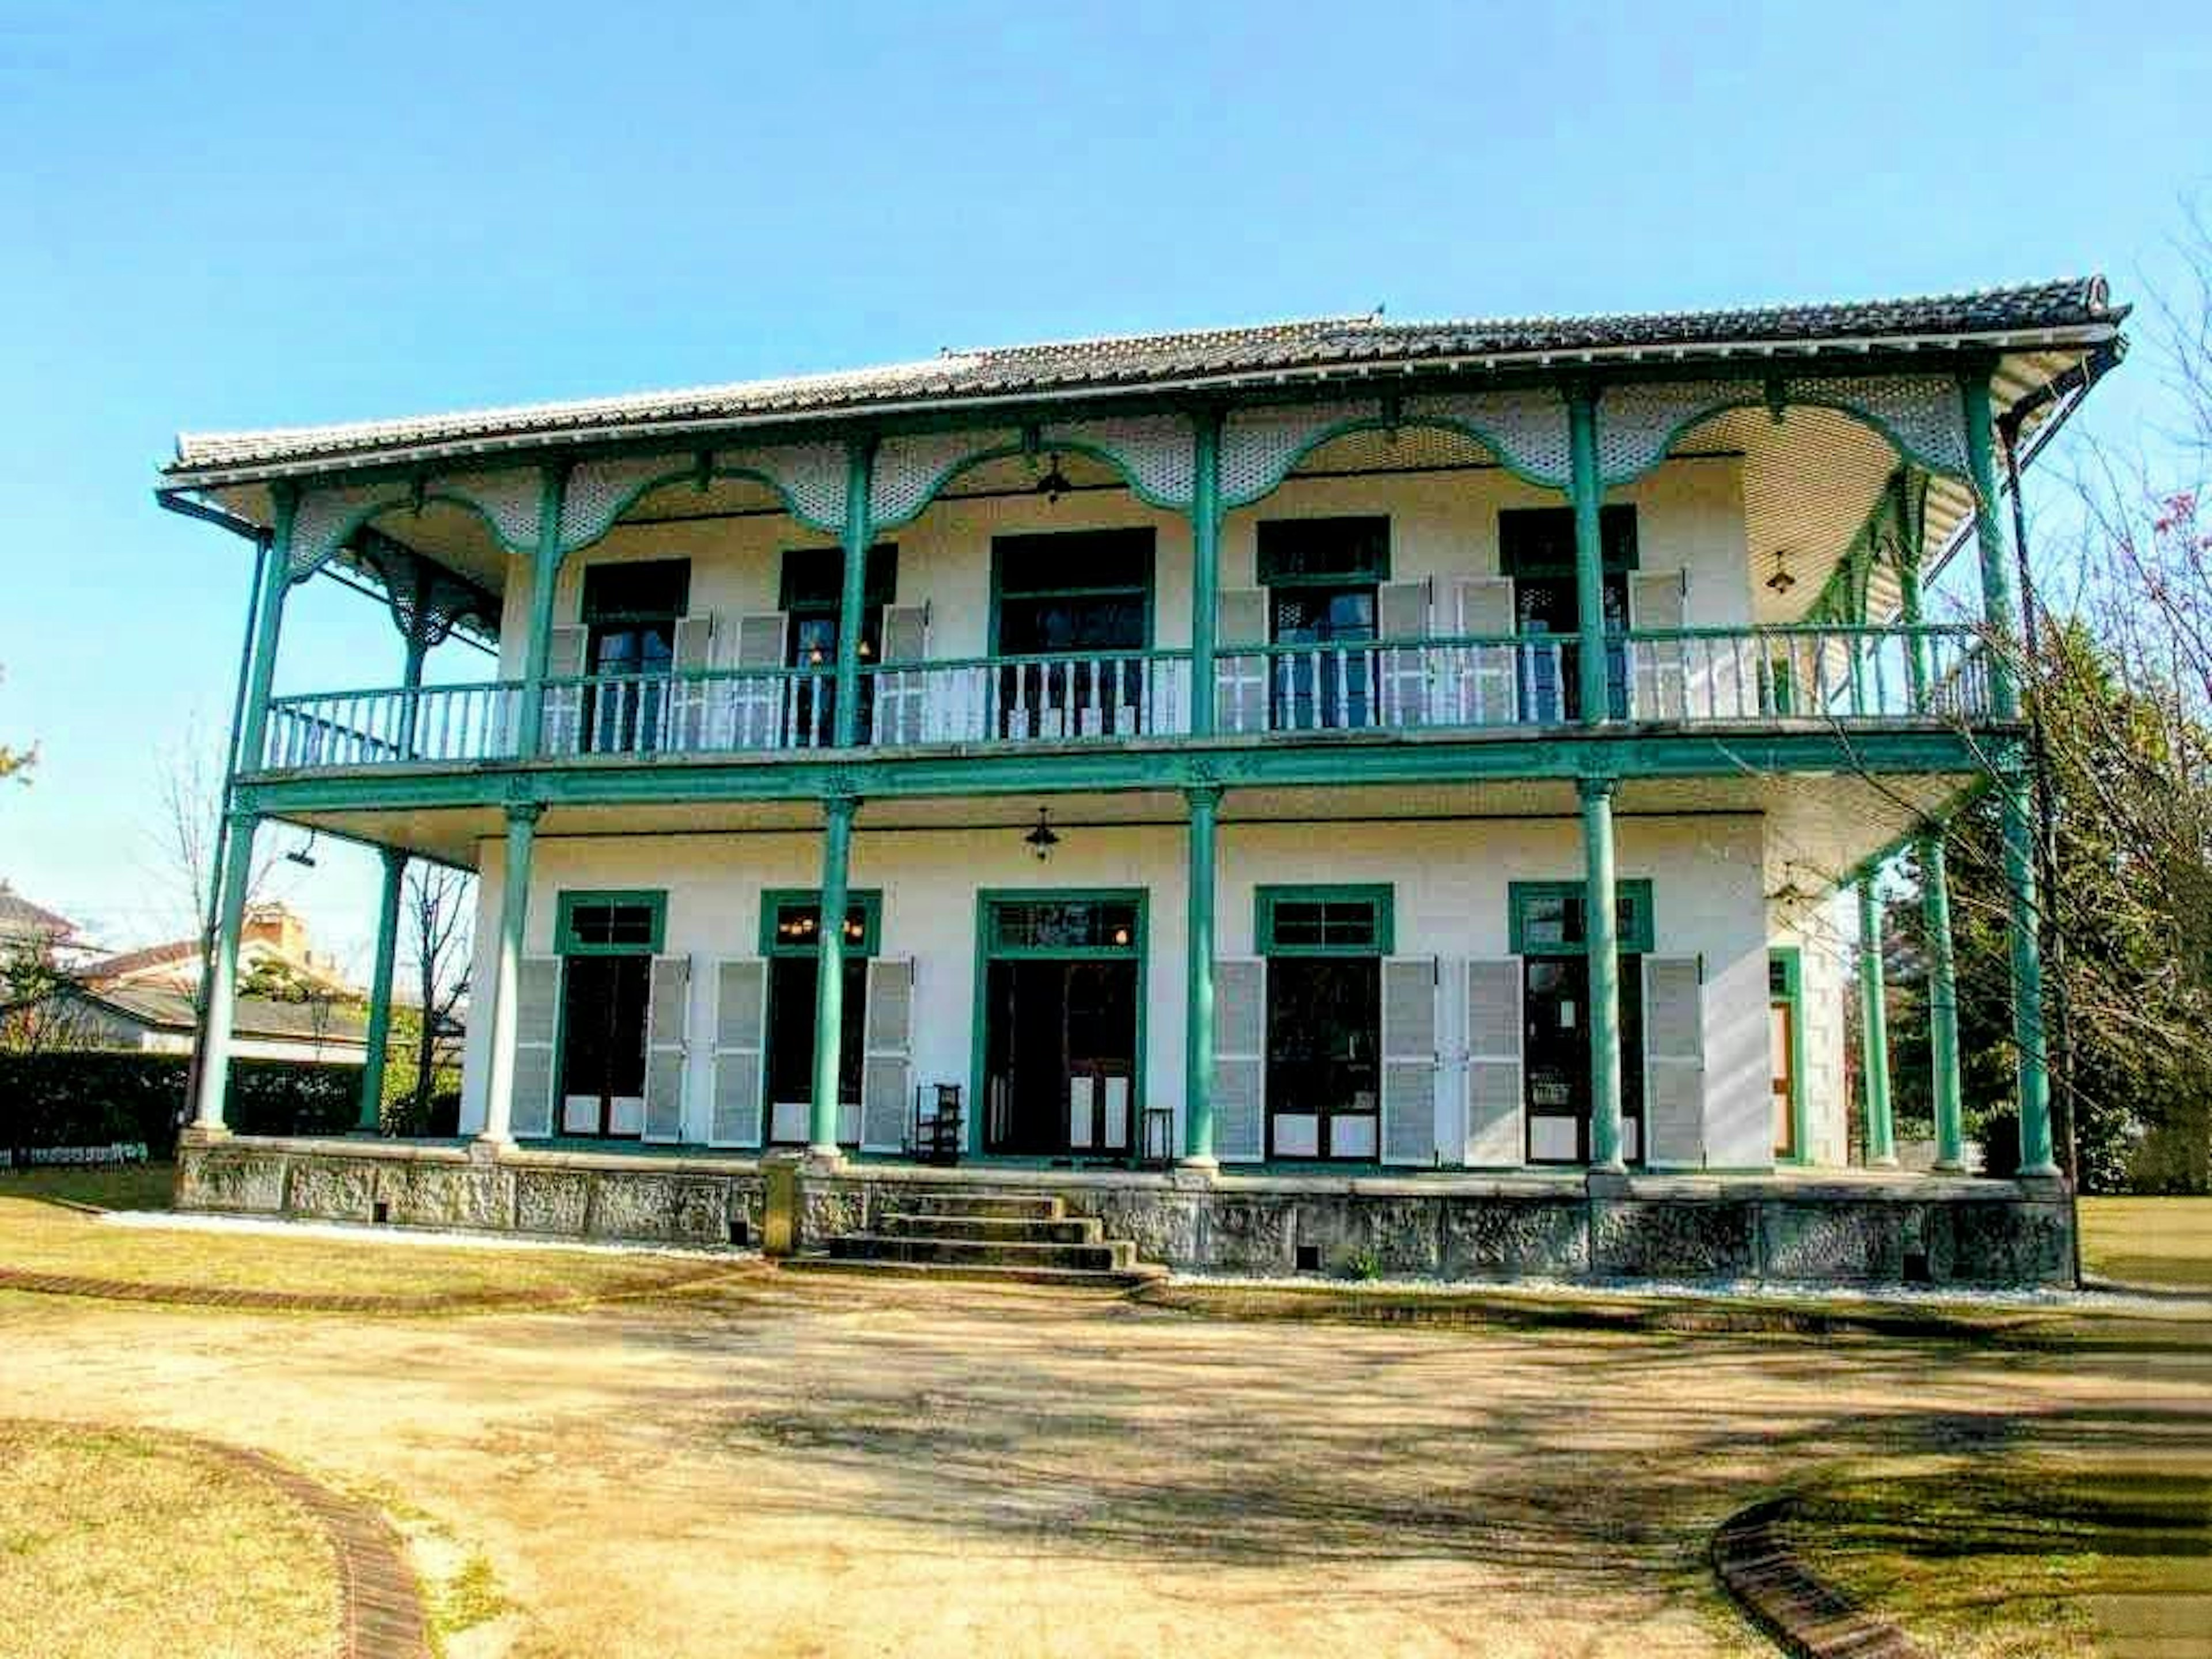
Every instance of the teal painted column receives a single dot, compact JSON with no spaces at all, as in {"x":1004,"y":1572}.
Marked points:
{"x":513,"y":917}
{"x":379,"y":990}
{"x":1588,"y":493}
{"x":1198,"y":1038}
{"x":1874,"y":1030}
{"x":1205,"y":567}
{"x":546,"y":576}
{"x":2031,"y":1064}
{"x":829,"y":976}
{"x":1942,"y":1006}
{"x":249,"y":748}
{"x":2000,"y":609}
{"x":1601,"y":932}
{"x":852,"y":601}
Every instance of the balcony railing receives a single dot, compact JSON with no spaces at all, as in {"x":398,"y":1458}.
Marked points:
{"x":1687,"y":677}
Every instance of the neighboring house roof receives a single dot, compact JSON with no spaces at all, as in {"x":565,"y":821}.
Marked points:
{"x":131,"y":963}
{"x":21,"y":919}
{"x":255,"y":1016}
{"x":2073,"y":311}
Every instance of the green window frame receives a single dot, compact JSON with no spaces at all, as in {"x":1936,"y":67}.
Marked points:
{"x":992,"y":902}
{"x":1347,"y":550}
{"x":1526,"y":934}
{"x":1336,"y":911}
{"x":576,"y":934}
{"x":1540,"y":541}
{"x":813,"y":578}
{"x":1071,"y":543}
{"x":782,"y":904}
{"x":1785,"y":983}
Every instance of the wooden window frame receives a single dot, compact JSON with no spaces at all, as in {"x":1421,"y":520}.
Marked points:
{"x":1267,"y":900}
{"x":566,"y":942}
{"x":1637,"y":939}
{"x":1276,"y":567}
{"x":869,"y":900}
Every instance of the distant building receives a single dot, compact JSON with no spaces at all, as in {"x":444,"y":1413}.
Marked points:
{"x":274,"y":944}
{"x":23,"y":922}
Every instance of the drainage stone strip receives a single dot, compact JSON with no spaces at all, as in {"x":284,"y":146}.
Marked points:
{"x":1808,"y":1616}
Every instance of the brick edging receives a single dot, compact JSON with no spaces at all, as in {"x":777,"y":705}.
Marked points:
{"x":1802,"y":1612}
{"x":207,"y":1296}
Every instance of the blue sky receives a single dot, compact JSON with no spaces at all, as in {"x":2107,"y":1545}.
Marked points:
{"x":232,"y":215}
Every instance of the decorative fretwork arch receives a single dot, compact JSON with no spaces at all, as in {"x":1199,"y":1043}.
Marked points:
{"x":1919,"y":416}
{"x":1154,"y":454}
{"x":428,"y":601}
{"x":1527,"y":430}
{"x":808,"y":478}
{"x":327,"y":519}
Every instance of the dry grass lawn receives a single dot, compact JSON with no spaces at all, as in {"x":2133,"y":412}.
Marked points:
{"x":113,"y":1546}
{"x":2160,"y":1243}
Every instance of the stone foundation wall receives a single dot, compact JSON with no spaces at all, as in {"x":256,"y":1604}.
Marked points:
{"x":1882,"y":1232}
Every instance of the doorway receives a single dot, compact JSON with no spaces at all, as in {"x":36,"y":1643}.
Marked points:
{"x":1556,"y":1053}
{"x":603,"y":1008}
{"x":1061,"y":1038}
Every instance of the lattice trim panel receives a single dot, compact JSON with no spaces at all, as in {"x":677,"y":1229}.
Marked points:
{"x":1638,"y":423}
{"x":1919,"y":414}
{"x":809,"y":477}
{"x":1527,"y":430}
{"x":911,"y":470}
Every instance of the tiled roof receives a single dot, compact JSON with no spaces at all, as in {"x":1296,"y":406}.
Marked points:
{"x":1137,"y":362}
{"x":137,"y":962}
{"x":254,"y":1016}
{"x":21,"y":919}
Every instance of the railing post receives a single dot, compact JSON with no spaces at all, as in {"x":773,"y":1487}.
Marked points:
{"x":506,"y":1009}
{"x":1602,"y":932}
{"x":1587,"y":492}
{"x":552,"y":486}
{"x":379,"y":1038}
{"x":1205,"y":564}
{"x":1874,"y":1029}
{"x":830,"y":975}
{"x":1197,"y":1044}
{"x":2000,"y":611}
{"x":851,"y":602}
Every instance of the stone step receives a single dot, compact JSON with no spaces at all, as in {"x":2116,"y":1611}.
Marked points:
{"x":1026,"y":1207}
{"x":1072,"y":1279}
{"x":1114,"y":1256}
{"x":1069,"y":1230}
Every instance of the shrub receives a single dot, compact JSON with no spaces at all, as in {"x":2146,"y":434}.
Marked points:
{"x":81,"y":1098}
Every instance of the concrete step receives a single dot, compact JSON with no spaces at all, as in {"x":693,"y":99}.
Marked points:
{"x":1013,"y":1207}
{"x":1071,"y":1230}
{"x":1115,"y":1256}
{"x":1073,"y":1279}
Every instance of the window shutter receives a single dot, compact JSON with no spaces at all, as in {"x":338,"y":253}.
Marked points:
{"x":1481,"y":683}
{"x":1409,"y":1060}
{"x":668,"y":1027}
{"x":1493,"y":1062}
{"x":758,"y":700}
{"x":887,"y":1055}
{"x":560,"y":730}
{"x":1674,"y":1062}
{"x":1240,"y":674}
{"x":689,"y":725}
{"x":1402,"y":612}
{"x":1240,"y":1060}
{"x":537,"y":1061}
{"x":740,"y":1031}
{"x":902,"y":707}
{"x":1656,"y":605}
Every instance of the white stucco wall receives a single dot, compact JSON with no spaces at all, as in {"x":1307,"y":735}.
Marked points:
{"x":1450,"y":883}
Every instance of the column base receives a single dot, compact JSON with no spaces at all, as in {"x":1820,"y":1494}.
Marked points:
{"x":1194,"y":1171}
{"x":822,"y":1160}
{"x":1950,"y":1167}
{"x":1605,"y":1181}
{"x":1888,"y":1162}
{"x":489,"y":1149}
{"x":203,"y":1134}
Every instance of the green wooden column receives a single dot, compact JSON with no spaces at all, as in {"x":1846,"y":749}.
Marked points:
{"x":1587,"y":493}
{"x":851,"y":602}
{"x":506,"y":1011}
{"x":829,"y":976}
{"x":379,"y":990}
{"x":249,"y":741}
{"x":545,"y":575}
{"x":1601,"y":932}
{"x":1942,"y":1006}
{"x":2001,"y":619}
{"x":1204,"y":566}
{"x":1874,"y":1030}
{"x":1198,"y":1039}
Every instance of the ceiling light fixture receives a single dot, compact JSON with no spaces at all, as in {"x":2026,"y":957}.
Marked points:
{"x":1781,"y":581}
{"x":1054,"y":483}
{"x":1040,"y":841}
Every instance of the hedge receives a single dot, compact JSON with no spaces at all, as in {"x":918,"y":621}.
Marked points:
{"x":75,"y":1098}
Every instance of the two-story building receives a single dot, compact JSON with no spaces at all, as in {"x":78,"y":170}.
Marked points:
{"x":1337,"y":785}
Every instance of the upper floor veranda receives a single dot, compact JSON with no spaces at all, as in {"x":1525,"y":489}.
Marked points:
{"x":1313,"y":539}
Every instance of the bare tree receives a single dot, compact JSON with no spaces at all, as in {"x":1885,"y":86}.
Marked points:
{"x":440,"y":911}
{"x":17,"y":763}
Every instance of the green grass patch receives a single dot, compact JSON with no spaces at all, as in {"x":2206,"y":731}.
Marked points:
{"x":2160,"y":1243}
{"x":123,"y":1186}
{"x":2008,"y":1560}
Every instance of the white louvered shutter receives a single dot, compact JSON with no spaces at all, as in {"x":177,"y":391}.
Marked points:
{"x":689,"y":723}
{"x":537,"y":1026}
{"x":1401,"y":676}
{"x":1240,"y":1060}
{"x":1409,"y":1060}
{"x":1482,"y":681}
{"x":902,"y":714}
{"x":667,"y":1032}
{"x":560,"y":730}
{"x":887,"y":1055}
{"x":1674,"y":1062}
{"x":1240,"y":674}
{"x":1659,"y":685}
{"x":740,"y":1040}
{"x":760,"y":697}
{"x":1493,"y":1062}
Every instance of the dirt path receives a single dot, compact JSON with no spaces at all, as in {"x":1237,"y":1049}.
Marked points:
{"x":825,"y":1469}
